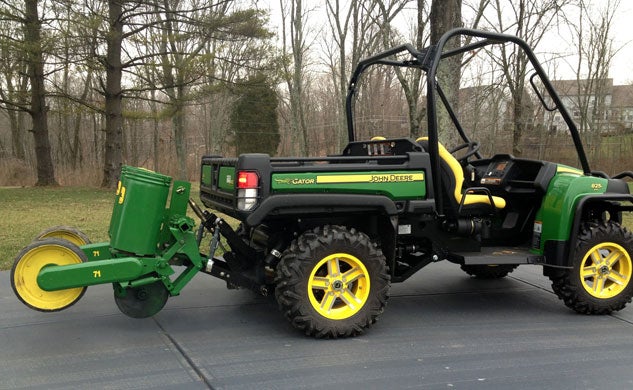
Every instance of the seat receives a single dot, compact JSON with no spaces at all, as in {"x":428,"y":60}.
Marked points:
{"x":453,"y":180}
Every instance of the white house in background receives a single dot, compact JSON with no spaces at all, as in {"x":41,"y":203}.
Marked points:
{"x":622,"y":108}
{"x":608,"y":107}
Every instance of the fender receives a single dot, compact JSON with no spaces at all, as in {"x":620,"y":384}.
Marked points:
{"x":557,"y":251}
{"x":320,"y":203}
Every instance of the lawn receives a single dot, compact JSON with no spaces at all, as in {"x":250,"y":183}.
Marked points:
{"x":27,"y":211}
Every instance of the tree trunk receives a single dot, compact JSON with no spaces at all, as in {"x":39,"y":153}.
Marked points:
{"x":16,"y":122}
{"x":17,"y":144}
{"x":155,"y":134}
{"x":38,"y":110}
{"x":76,"y":149}
{"x":445,"y":15}
{"x":294,"y":77}
{"x":113,"y":97}
{"x":178,"y":121}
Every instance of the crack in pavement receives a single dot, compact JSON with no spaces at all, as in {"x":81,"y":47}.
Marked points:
{"x":184,"y":358}
{"x":612,"y":315}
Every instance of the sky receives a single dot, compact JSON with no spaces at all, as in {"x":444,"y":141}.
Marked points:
{"x":622,"y":35}
{"x":621,"y":65}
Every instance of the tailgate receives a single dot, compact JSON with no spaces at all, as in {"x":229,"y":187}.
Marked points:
{"x":217,"y":182}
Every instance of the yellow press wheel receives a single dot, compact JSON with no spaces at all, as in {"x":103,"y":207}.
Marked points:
{"x":27,"y":266}
{"x":67,"y":233}
{"x":332,"y":282}
{"x":600,"y":280}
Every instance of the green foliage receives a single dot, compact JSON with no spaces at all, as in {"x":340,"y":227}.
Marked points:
{"x":254,"y":117}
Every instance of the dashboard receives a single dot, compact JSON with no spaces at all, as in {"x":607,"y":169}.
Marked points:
{"x":496,"y":172}
{"x":505,"y":173}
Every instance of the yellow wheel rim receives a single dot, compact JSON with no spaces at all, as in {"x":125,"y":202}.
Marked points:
{"x":65,"y":235}
{"x":29,"y":266}
{"x":338,"y":286}
{"x":606,"y":270}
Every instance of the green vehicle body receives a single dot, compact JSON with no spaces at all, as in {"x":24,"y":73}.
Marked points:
{"x":556,"y":215}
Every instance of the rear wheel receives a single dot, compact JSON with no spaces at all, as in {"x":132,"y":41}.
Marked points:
{"x":600,"y":280}
{"x":27,"y":266}
{"x":489,"y":271}
{"x":67,"y":233}
{"x":332,"y":282}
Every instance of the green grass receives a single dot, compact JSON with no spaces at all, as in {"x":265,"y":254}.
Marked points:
{"x":25,"y":212}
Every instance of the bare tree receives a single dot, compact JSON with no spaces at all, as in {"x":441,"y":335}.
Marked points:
{"x":446,"y":15}
{"x":410,"y":79}
{"x":353,"y":35}
{"x":529,"y":20}
{"x":13,"y":81}
{"x":595,"y":52}
{"x":26,"y":54}
{"x":113,"y":94}
{"x":38,"y":109}
{"x":293,"y":16}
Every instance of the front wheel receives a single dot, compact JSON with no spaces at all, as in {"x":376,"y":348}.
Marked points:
{"x":332,"y":282}
{"x":600,"y":280}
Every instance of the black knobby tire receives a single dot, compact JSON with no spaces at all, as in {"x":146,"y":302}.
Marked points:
{"x":600,"y":280}
{"x":332,"y":282}
{"x":485,"y":271}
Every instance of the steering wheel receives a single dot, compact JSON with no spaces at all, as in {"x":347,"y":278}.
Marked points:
{"x":471,"y":148}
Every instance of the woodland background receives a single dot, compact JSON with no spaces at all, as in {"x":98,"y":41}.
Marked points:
{"x":86,"y":86}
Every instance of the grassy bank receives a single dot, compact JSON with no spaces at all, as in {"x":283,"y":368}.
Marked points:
{"x":24,"y":212}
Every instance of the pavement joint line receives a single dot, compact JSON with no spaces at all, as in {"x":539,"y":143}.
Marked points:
{"x":613,"y":315}
{"x":53,"y":321}
{"x":184,"y":355}
{"x":531,"y":284}
{"x":218,"y":306}
{"x":492,"y":291}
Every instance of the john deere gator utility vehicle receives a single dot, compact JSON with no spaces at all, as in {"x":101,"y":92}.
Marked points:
{"x":328,"y":235}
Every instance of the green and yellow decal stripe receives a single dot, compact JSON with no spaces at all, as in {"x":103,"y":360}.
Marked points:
{"x":394,"y":184}
{"x":371,"y":178}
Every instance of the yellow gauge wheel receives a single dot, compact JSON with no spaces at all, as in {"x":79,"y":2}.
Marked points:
{"x":606,"y":270}
{"x":27,"y":266}
{"x":67,"y":233}
{"x":338,"y":286}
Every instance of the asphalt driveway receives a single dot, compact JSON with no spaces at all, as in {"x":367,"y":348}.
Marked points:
{"x":441,"y":330}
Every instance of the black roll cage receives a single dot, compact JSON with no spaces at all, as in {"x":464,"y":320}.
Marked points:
{"x":428,"y":59}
